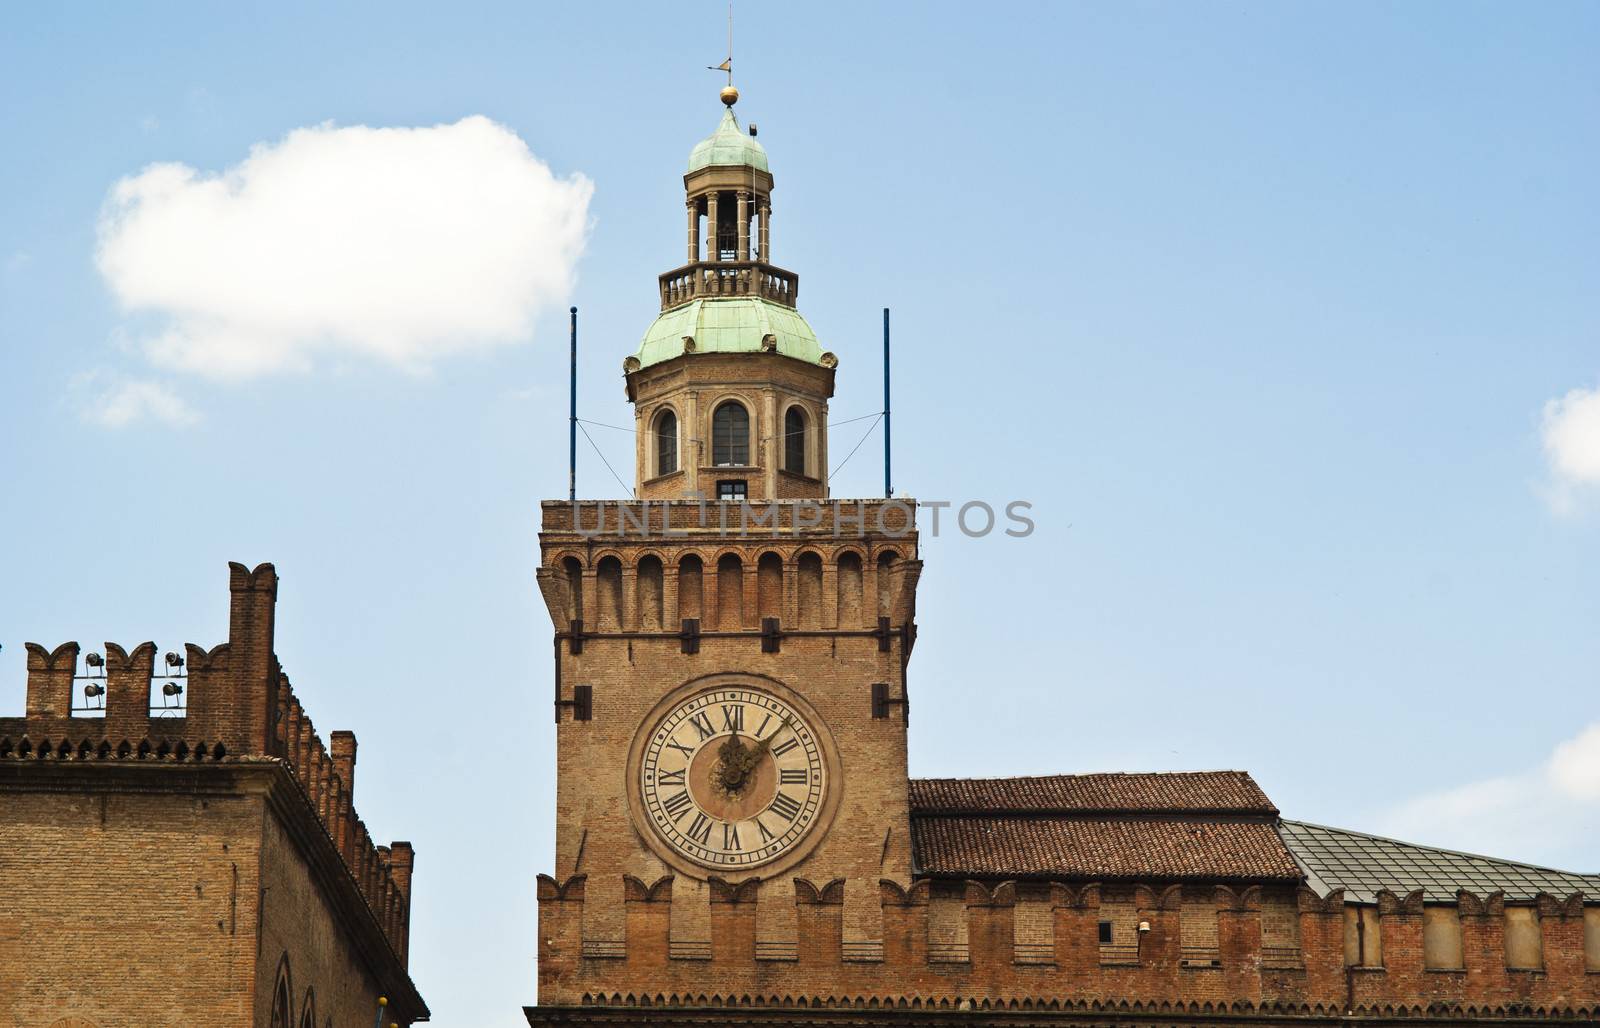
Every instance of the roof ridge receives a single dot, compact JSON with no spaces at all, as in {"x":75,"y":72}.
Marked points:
{"x":1441,"y":849}
{"x":1083,"y":774}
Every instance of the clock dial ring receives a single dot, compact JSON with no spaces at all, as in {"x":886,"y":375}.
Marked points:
{"x":732,"y":772}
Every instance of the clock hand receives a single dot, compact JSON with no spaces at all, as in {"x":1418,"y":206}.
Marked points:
{"x":765,"y":744}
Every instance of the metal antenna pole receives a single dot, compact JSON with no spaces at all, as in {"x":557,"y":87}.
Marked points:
{"x":572,"y":421}
{"x":888,"y":480}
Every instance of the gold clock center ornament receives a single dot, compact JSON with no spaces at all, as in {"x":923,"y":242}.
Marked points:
{"x":732,"y":774}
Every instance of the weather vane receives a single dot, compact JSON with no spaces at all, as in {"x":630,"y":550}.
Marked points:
{"x":730,"y":95}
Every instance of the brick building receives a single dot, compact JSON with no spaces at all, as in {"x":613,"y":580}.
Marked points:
{"x":738,"y":840}
{"x":178,"y":845}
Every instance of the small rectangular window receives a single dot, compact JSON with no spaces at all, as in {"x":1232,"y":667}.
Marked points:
{"x":734,"y":490}
{"x":1105,"y":933}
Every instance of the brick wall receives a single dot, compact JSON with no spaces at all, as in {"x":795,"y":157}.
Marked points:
{"x":916,"y":968}
{"x":127,"y":909}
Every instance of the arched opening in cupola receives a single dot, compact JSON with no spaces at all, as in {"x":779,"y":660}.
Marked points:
{"x":666,"y":442}
{"x":794,"y":440}
{"x":730,"y":435}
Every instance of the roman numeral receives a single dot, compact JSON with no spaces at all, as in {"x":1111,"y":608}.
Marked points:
{"x":764,"y":722}
{"x":676,"y":805}
{"x":700,"y":829}
{"x":702,"y":724}
{"x":680,"y":747}
{"x":665,"y":777}
{"x":786,"y":806}
{"x":733,"y":717}
{"x":778,"y":751}
{"x":730,"y":838}
{"x":766,"y":836}
{"x":790,"y":776}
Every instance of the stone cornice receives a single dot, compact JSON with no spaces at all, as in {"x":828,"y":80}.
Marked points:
{"x":950,"y":1015}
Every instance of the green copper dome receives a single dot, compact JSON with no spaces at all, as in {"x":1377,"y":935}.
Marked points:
{"x":728,"y":145}
{"x":735,"y":324}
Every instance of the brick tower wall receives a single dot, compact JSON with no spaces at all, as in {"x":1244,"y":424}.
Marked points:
{"x":789,"y":625}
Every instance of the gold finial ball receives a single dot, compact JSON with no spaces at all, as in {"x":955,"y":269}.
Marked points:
{"x":730,"y":95}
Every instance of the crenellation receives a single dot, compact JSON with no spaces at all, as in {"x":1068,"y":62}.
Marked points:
{"x":993,"y":969}
{"x":221,"y":790}
{"x":215,"y":723}
{"x":127,"y":685}
{"x":50,"y":674}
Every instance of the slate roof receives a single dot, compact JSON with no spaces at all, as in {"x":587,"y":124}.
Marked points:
{"x":1334,"y":858}
{"x":1182,"y":826}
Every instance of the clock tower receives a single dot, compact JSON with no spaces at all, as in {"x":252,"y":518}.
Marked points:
{"x":730,"y":645}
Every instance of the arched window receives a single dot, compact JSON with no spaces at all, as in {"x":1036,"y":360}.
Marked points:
{"x":308,"y":1010}
{"x":282,"y":1012}
{"x":691,"y":585}
{"x":809,"y":603}
{"x":794,"y":441}
{"x":649,"y":583}
{"x":769,"y":586}
{"x":574,"y":572}
{"x":730,"y":592}
{"x":730,"y":435}
{"x":666,"y":443}
{"x":849,"y":589}
{"x":608,"y":589}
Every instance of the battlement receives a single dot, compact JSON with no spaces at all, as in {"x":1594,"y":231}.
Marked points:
{"x":762,"y":567}
{"x":231,"y":705}
{"x":1055,"y":945}
{"x":683,"y":520}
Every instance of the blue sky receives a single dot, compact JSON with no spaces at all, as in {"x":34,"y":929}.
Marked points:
{"x":1282,"y":316}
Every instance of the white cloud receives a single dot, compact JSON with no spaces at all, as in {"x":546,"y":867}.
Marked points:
{"x":401,"y":245}
{"x":128,"y":401}
{"x":1575,"y":766}
{"x":1571,"y":431}
{"x":1533,"y":815}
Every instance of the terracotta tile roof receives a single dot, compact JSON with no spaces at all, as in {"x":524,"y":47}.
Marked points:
{"x":1233,"y":792}
{"x":1100,"y":848}
{"x":1203,"y":825}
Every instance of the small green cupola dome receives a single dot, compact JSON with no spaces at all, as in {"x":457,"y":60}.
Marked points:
{"x":728,"y":146}
{"x":735,"y":324}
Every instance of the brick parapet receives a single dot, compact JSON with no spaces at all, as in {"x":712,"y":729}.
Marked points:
{"x":240,"y":706}
{"x":995,"y":972}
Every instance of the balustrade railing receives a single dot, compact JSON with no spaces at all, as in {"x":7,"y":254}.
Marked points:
{"x":728,"y":278}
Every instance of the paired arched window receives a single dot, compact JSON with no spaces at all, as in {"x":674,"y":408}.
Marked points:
{"x":794,"y":440}
{"x":666,"y":443}
{"x":730,"y":435}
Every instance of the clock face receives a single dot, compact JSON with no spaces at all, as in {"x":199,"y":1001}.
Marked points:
{"x":733,"y":776}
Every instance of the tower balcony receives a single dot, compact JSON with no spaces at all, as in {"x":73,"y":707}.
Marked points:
{"x":728,"y":278}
